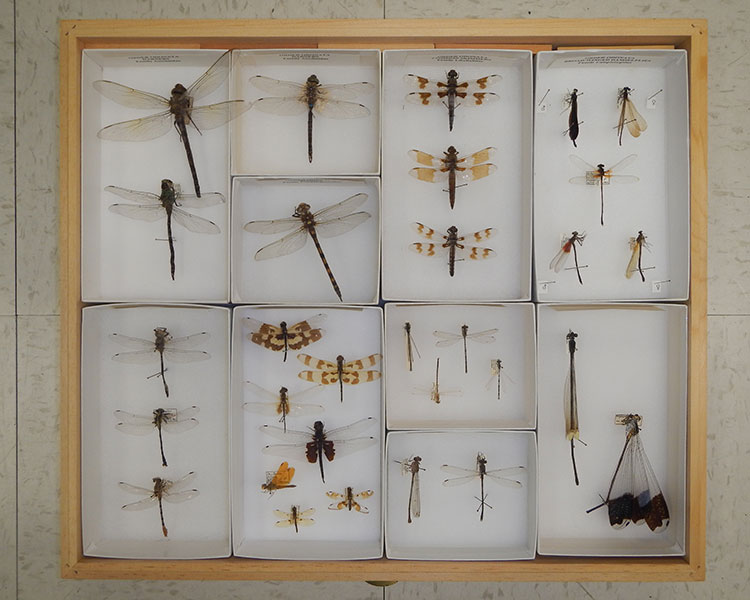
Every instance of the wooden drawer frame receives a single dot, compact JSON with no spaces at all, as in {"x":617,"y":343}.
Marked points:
{"x":690,"y":35}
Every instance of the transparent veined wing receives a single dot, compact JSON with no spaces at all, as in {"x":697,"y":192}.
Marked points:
{"x":346,"y":91}
{"x":481,"y":84}
{"x":134,"y":424}
{"x":273,"y":226}
{"x":215,"y":115}
{"x":479,"y":157}
{"x":427,"y":232}
{"x":140,"y":504}
{"x":139,"y":211}
{"x":285,"y":107}
{"x":179,"y":484}
{"x":138,"y":130}
{"x":633,"y":119}
{"x":211,"y":79}
{"x":188,"y":341}
{"x":177,"y":497}
{"x":194,"y":223}
{"x":625,"y":162}
{"x":339,"y":109}
{"x":465,"y":175}
{"x":283,"y":247}
{"x":461,"y":471}
{"x":340,"y":225}
{"x":423,"y":83}
{"x":130,"y":97}
{"x":300,"y":438}
{"x":133,"y":196}
{"x":446,"y":338}
{"x":342,"y":208}
{"x":185,"y":356}
{"x":582,"y":165}
{"x":454,"y":481}
{"x":278,"y":87}
{"x":559,"y":260}
{"x":481,"y":235}
{"x":501,"y":476}
{"x":483,"y":337}
{"x":352,"y":429}
{"x":206,"y":199}
{"x":428,"y":160}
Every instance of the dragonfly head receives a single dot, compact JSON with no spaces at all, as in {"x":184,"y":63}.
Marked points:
{"x":453,"y":230}
{"x":302,"y":209}
{"x":179,"y":90}
{"x":451,"y":151}
{"x":481,"y":459}
{"x":339,"y":359}
{"x":318,"y":426}
{"x":167,"y":185}
{"x":313,"y":79}
{"x":453,"y":74}
{"x":571,"y":335}
{"x":283,"y":391}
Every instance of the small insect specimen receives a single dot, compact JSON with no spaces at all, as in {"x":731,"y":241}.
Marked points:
{"x":600,"y":176}
{"x":452,"y":168}
{"x":162,"y":490}
{"x":295,"y":518}
{"x":411,"y":466}
{"x":164,"y":346}
{"x":637,"y":244}
{"x":178,"y":110}
{"x":452,"y":93}
{"x":279,"y":479}
{"x":284,"y":338}
{"x":351,"y":372}
{"x":435,"y":392}
{"x":634,"y":493}
{"x":568,"y":247}
{"x":446,"y":338}
{"x":571,"y":102}
{"x":570,"y":401}
{"x":348,"y":500}
{"x":328,"y":222}
{"x":162,"y":419}
{"x":497,"y":370}
{"x":629,"y":115}
{"x":500,"y":476}
{"x":453,"y":244}
{"x":411,"y":346}
{"x":318,"y":443}
{"x":152,"y":207}
{"x":330,"y":100}
{"x":282,"y":403}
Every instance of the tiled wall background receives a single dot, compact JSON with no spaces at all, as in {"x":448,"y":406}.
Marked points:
{"x":29,"y":314}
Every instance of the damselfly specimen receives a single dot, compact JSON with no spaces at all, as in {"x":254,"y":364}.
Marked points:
{"x":328,"y":222}
{"x":500,"y":476}
{"x":279,"y":479}
{"x":411,"y":466}
{"x":452,"y":93}
{"x":629,"y":115}
{"x":457,"y":171}
{"x":600,"y":176}
{"x":349,"y":500}
{"x":351,"y":372}
{"x":637,"y":244}
{"x":570,"y":401}
{"x":286,"y":337}
{"x":170,"y":420}
{"x":178,"y":110}
{"x":453,"y":244}
{"x":295,"y":518}
{"x":571,"y":102}
{"x":162,"y":346}
{"x":567,"y":248}
{"x":446,"y":338}
{"x":411,"y":346}
{"x":497,"y":370}
{"x":282,"y":403}
{"x":318,"y":443}
{"x":170,"y":203}
{"x":330,"y":100}
{"x":163,"y":490}
{"x":435,"y":392}
{"x":634,"y":493}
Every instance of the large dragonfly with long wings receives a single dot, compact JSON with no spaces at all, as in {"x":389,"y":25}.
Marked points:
{"x":178,"y":110}
{"x":328,"y":222}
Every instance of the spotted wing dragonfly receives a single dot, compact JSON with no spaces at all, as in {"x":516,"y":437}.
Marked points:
{"x":352,"y":372}
{"x":453,"y":244}
{"x":285,"y":337}
{"x":295,"y":518}
{"x":283,"y":403}
{"x":349,"y":500}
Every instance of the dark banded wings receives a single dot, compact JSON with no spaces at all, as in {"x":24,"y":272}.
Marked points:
{"x":326,"y":372}
{"x":473,"y":92}
{"x":463,"y":251}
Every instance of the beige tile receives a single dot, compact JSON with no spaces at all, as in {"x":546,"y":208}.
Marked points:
{"x":7,"y":167}
{"x":8,"y":455}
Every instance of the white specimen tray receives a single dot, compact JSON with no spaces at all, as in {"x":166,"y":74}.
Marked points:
{"x":658,"y":204}
{"x":629,"y":359}
{"x":501,"y":200}
{"x":449,"y":527}
{"x":299,"y":277}
{"x":355,"y":333}
{"x":467,"y":400}
{"x":127,"y":259}
{"x":270,"y":144}
{"x":199,"y":527}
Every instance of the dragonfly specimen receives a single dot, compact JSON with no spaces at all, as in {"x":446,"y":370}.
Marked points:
{"x":567,"y":248}
{"x":629,"y":115}
{"x":571,"y":102}
{"x":634,"y":493}
{"x":170,"y":202}
{"x":318,"y":443}
{"x":446,"y":338}
{"x":497,"y":370}
{"x":178,"y":110}
{"x":457,"y":171}
{"x":295,"y":517}
{"x":452,"y":93}
{"x":170,"y":420}
{"x":600,"y":176}
{"x":328,"y":222}
{"x":163,"y":490}
{"x":282,"y":403}
{"x":279,"y":479}
{"x":411,"y":346}
{"x":570,"y":401}
{"x":454,"y":244}
{"x":164,"y":346}
{"x":349,"y":500}
{"x":637,"y":244}
{"x":411,"y":466}
{"x":351,"y":372}
{"x":435,"y":392}
{"x":499,"y":476}
{"x":312,"y":97}
{"x":284,"y":337}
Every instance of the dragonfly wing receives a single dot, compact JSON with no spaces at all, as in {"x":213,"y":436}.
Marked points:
{"x":138,"y":130}
{"x":126,"y":417}
{"x":179,"y":484}
{"x":142,"y":504}
{"x":189,"y":341}
{"x":581,"y":164}
{"x":483,"y":337}
{"x":454,"y":481}
{"x":181,"y":496}
{"x":424,"y":98}
{"x":139,"y":212}
{"x":416,"y":503}
{"x":278,"y":87}
{"x":461,"y":471}
{"x":185,"y":356}
{"x":206,"y":199}
{"x":133,"y":196}
{"x":652,"y":506}
{"x":446,"y":338}
{"x":306,"y":410}
{"x":290,"y":435}
{"x":194,"y":223}
{"x":131,"y":342}
{"x":130,"y":97}
{"x":481,"y":98}
{"x":625,"y":162}
{"x":268,"y":409}
{"x":211,"y":79}
{"x":633,"y":119}
{"x":274,"y":226}
{"x":482,"y":83}
{"x":426,"y":231}
{"x":285,"y":107}
{"x":339,"y":109}
{"x":478,"y":157}
{"x":422,"y":83}
{"x":180,"y":426}
{"x":425,"y":159}
{"x":352,"y":429}
{"x":341,"y":209}
{"x":263,"y":393}
{"x":346,"y":447}
{"x":476,"y":252}
{"x":139,"y":357}
{"x":341,"y":225}
{"x":558,"y":262}
{"x":215,"y":115}
{"x":512,"y":483}
{"x":624,"y":179}
{"x":316,"y":363}
{"x":287,"y":245}
{"x":293,"y":451}
{"x":580,"y":179}
{"x":475,"y":172}
{"x":363,"y":363}
{"x":427,"y":174}
{"x":346,"y":91}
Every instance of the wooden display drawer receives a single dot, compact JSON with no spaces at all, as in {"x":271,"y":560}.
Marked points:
{"x":535,"y":35}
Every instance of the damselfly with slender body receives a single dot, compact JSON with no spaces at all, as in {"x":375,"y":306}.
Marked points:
{"x":163,"y":346}
{"x":318,"y":443}
{"x":634,"y":493}
{"x":412,"y":466}
{"x":498,"y":370}
{"x":163,"y":490}
{"x":279,"y":479}
{"x":411,"y":346}
{"x":600,"y":176}
{"x":570,"y":401}
{"x":453,"y":244}
{"x":499,"y":476}
{"x":170,"y":203}
{"x":449,"y":167}
{"x":351,"y":372}
{"x":629,"y":115}
{"x":170,"y":420}
{"x":637,"y":244}
{"x":435,"y":392}
{"x":328,"y":222}
{"x":286,"y":337}
{"x":295,"y":518}
{"x":178,"y":110}
{"x":349,"y":500}
{"x":446,"y":338}
{"x":452,"y":93}
{"x":571,"y":102}
{"x":567,"y":248}
{"x":283,"y":403}
{"x":292,"y":99}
